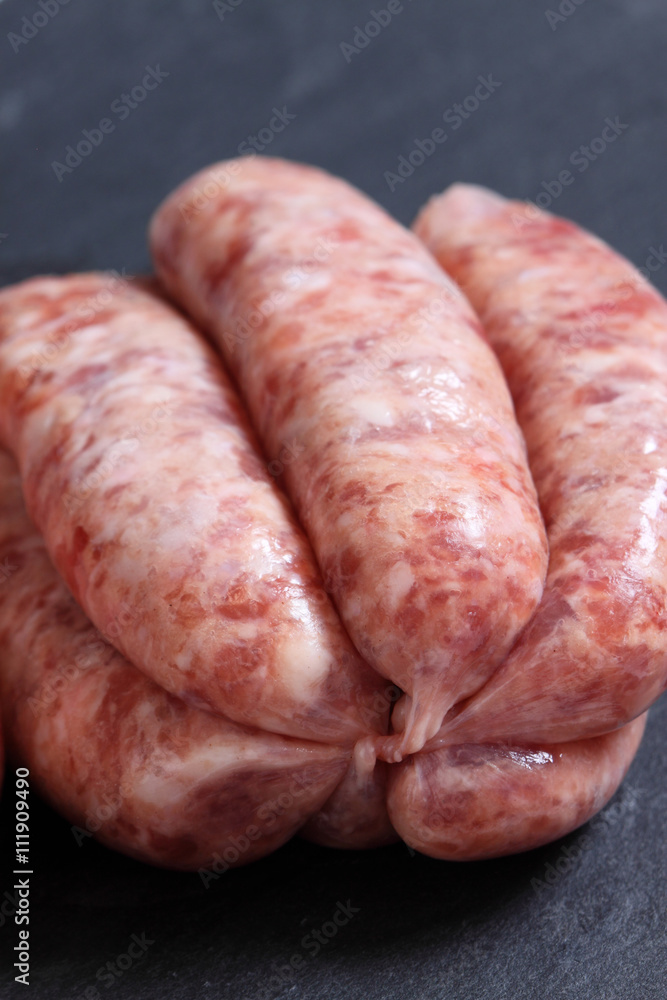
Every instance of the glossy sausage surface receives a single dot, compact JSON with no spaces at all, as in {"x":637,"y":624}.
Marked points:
{"x":467,"y":802}
{"x":120,"y":757}
{"x":379,"y":402}
{"x":582,"y":339}
{"x":141,"y":472}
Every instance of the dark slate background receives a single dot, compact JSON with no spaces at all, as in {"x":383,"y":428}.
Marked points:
{"x":539,"y":925}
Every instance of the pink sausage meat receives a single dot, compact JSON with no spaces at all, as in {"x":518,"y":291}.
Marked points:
{"x":121,"y":758}
{"x":377,"y":399}
{"x":130,"y":764}
{"x":466,"y":802}
{"x":141,"y":472}
{"x":582,"y":339}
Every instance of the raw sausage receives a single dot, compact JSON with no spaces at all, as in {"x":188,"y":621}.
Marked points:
{"x":582,"y":339}
{"x":142,"y":474}
{"x":120,"y":757}
{"x":466,"y":802}
{"x":376,"y":397}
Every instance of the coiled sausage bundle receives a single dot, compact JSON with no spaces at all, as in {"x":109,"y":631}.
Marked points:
{"x":216,"y":684}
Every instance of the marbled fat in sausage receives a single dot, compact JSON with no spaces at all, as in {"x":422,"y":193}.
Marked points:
{"x":120,"y":757}
{"x":582,"y":339}
{"x":141,"y":472}
{"x":466,"y":802}
{"x":376,"y":397}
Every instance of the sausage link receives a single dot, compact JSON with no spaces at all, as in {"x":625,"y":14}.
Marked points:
{"x":468,"y":802}
{"x":386,"y":413}
{"x":144,"y":478}
{"x":582,"y":339}
{"x":120,"y":757}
